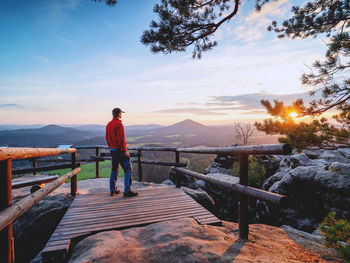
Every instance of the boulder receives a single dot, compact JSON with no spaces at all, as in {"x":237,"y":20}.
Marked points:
{"x":184,"y":240}
{"x":226,"y":202}
{"x":40,"y":222}
{"x":185,"y":180}
{"x":201,"y":197}
{"x":314,"y":187}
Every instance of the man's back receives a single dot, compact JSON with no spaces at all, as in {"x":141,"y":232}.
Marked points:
{"x":115,"y":135}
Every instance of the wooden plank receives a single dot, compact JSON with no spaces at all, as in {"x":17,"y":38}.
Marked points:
{"x":110,"y":216}
{"x":121,"y":225}
{"x":126,"y":216}
{"x":93,"y":213}
{"x":116,"y":205}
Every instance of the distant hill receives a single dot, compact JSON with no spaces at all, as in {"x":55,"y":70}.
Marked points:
{"x":183,"y":127}
{"x":48,"y":136}
{"x":186,"y":133}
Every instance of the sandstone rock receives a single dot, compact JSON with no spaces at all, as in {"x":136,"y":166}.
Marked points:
{"x":40,"y":221}
{"x":200,"y":197}
{"x":314,"y":191}
{"x":168,"y":182}
{"x":185,"y":180}
{"x":200,"y":184}
{"x":222,"y":164}
{"x":226,"y":202}
{"x":186,"y":241}
{"x":345,"y":152}
{"x":342,"y":168}
{"x":270,"y":162}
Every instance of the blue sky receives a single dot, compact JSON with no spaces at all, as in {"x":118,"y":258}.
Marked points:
{"x":73,"y":61}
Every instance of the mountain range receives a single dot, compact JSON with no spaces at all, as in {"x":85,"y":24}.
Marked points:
{"x":183,"y":134}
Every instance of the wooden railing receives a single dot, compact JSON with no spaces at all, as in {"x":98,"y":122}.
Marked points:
{"x":242,"y":188}
{"x":8,"y":212}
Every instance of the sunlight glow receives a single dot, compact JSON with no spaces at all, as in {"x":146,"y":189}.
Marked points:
{"x":293,"y":114}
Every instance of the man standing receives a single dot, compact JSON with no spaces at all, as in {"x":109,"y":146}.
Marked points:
{"x":115,"y":138}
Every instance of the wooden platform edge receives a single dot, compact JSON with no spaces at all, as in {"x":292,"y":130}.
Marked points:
{"x":57,"y":253}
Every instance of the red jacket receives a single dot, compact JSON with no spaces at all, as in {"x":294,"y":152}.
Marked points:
{"x":115,"y":136}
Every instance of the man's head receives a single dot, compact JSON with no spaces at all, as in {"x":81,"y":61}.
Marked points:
{"x":117,"y":113}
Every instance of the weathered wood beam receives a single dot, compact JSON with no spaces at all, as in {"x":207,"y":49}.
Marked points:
{"x":269,"y":197}
{"x":6,"y":234}
{"x":252,"y":149}
{"x":164,"y":149}
{"x":92,"y":147}
{"x":41,"y":169}
{"x":10,"y":214}
{"x":163,"y":163}
{"x":42,"y":180}
{"x":243,"y":207}
{"x":14,"y":153}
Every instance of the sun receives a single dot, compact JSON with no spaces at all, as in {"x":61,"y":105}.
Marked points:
{"x":293,"y":114}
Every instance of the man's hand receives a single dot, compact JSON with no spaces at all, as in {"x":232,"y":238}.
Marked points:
{"x":127,"y":154}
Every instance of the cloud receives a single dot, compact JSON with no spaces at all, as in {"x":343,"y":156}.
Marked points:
{"x":41,"y":59}
{"x":252,"y":101}
{"x":9,"y":106}
{"x":197,"y":111}
{"x":63,"y":39}
{"x":252,"y":27}
{"x":112,"y":26}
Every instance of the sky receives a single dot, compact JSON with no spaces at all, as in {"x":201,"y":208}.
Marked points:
{"x":73,"y":61}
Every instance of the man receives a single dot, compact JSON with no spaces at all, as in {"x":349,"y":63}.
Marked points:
{"x":115,"y":138}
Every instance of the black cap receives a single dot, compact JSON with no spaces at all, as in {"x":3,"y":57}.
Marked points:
{"x":116,"y":111}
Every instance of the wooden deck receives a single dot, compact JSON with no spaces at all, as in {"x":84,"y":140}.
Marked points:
{"x":92,"y":213}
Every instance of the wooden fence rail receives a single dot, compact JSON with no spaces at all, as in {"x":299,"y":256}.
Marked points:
{"x":242,"y":188}
{"x":9,"y":212}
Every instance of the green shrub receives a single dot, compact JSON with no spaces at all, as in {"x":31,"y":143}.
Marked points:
{"x":256,"y":172}
{"x":336,"y":233}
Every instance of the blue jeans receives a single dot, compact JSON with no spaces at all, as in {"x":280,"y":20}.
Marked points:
{"x":118,"y":157}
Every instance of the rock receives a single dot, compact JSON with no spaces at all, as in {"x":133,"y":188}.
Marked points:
{"x":314,"y":243}
{"x":200,"y":197}
{"x":185,"y":180}
{"x":270,"y":162}
{"x":226,"y":202}
{"x":168,"y":182}
{"x":184,"y":240}
{"x":40,"y":222}
{"x":333,"y":156}
{"x":342,"y":168}
{"x":223,"y":164}
{"x":345,"y":152}
{"x":314,"y":191}
{"x":200,"y":184}
{"x":317,"y":232}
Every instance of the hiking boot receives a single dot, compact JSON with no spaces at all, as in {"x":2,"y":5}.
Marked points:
{"x":130,"y":194}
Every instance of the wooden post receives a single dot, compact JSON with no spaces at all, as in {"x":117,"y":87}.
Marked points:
{"x":73,"y":180}
{"x":139,"y":160}
{"x":177,"y":160}
{"x":97,"y":163}
{"x":35,"y":164}
{"x":243,"y":219}
{"x":6,"y":238}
